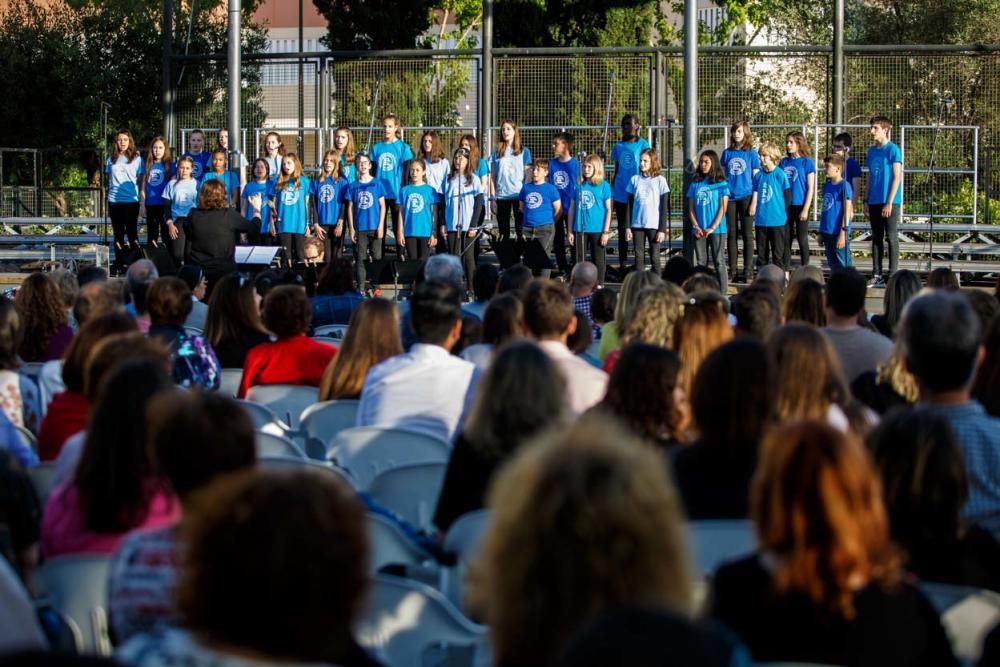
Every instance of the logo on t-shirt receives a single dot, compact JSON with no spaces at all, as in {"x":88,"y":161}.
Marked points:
{"x":628,"y":160}
{"x":561,"y":179}
{"x":828,"y":201}
{"x":737,"y":166}
{"x":415,"y":204}
{"x":533,"y":200}
{"x":290,"y":196}
{"x":766,"y":193}
{"x":197,"y":169}
{"x":792,"y":173}
{"x":326,"y":193}
{"x":587,"y":200}
{"x":387,"y":162}
{"x":643,"y":194}
{"x":155,"y":177}
{"x":365,"y":200}
{"x":704,"y":197}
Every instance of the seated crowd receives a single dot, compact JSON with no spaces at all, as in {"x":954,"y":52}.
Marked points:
{"x":594,"y":425}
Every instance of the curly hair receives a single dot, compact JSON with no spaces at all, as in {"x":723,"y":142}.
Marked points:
{"x":42,"y":311}
{"x":641,"y":392}
{"x":582,"y":519}
{"x":212,"y":195}
{"x":657,"y":311}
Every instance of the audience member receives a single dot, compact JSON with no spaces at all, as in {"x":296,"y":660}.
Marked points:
{"x":233,"y":325}
{"x":943,"y":278}
{"x":985,"y":304}
{"x":69,"y":289}
{"x":484,"y":286}
{"x":320,"y":555}
{"x":941,"y":339}
{"x":194,"y":361}
{"x":471,"y":334}
{"x":889,"y":386}
{"x":986,"y":388}
{"x":602,"y":308}
{"x":426,"y":389}
{"x":858,"y":348}
{"x":676,"y":270}
{"x":513,"y":279}
{"x":773,"y":274}
{"x":635,"y":282}
{"x":582,"y":285}
{"x":45,"y":321}
{"x":139,"y":276}
{"x":903,"y":285}
{"x":701,"y":282}
{"x":194,"y":438}
{"x":702,"y":328}
{"x":194,"y":277}
{"x":824,"y":587}
{"x":653,"y":320}
{"x":613,"y":535}
{"x":548,"y":315}
{"x":757,"y":310}
{"x":713,"y":473}
{"x":91,"y":274}
{"x":925,"y":487}
{"x":810,"y":384}
{"x":293,"y":358}
{"x":808,"y":272}
{"x":337,"y":293}
{"x":20,"y":515}
{"x":503,"y":321}
{"x":534,"y":394}
{"x":372,"y":337}
{"x":20,"y":399}
{"x":804,"y":302}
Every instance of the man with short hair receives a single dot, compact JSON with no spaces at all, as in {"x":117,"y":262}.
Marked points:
{"x":582,"y":285}
{"x":549,"y":316}
{"x":757,"y":310}
{"x":942,"y":347}
{"x":425,"y":389}
{"x":448,"y":268}
{"x":774,"y":274}
{"x":860,"y":350}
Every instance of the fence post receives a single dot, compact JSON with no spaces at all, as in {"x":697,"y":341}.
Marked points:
{"x":690,"y":106}
{"x":486,"y":77}
{"x":838,"y":64}
{"x":234,"y":125}
{"x":166,"y":85}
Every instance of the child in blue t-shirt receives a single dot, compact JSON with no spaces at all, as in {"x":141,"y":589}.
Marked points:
{"x":343,"y":143}
{"x":511,"y":168}
{"x":625,"y":156}
{"x":200,"y":158}
{"x":708,"y":196}
{"x":328,"y":197}
{"x":182,"y":193}
{"x":841,"y":146}
{"x":835,"y":218}
{"x":291,"y":194}
{"x":159,"y":171}
{"x":418,"y":209}
{"x":125,"y":169}
{"x":590,"y":215}
{"x":540,"y":206}
{"x":389,"y":158}
{"x":463,"y":204}
{"x":647,"y":194}
{"x":564,"y":173}
{"x":801,"y":173}
{"x":741,"y":163}
{"x":769,"y":204}
{"x":261,"y":184}
{"x":885,"y":196}
{"x":218,"y":173}
{"x":365,"y":216}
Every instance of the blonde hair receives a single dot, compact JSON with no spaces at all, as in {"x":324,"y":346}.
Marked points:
{"x":656,"y":313}
{"x":893,"y":372}
{"x":634,"y":283}
{"x":613,"y":534}
{"x":594,"y":160}
{"x":702,"y":328}
{"x":771,"y":150}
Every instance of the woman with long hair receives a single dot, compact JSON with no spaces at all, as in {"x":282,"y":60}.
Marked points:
{"x":702,"y":328}
{"x":810,"y":384}
{"x":20,"y":399}
{"x":903,"y":285}
{"x":372,"y":337}
{"x":804,"y":302}
{"x":634,"y":283}
{"x":503,"y":321}
{"x":825,"y":585}
{"x":233,"y":324}
{"x":45,"y":323}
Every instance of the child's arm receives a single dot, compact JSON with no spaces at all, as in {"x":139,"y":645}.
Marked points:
{"x":477,"y":209}
{"x":570,"y":218}
{"x":606,"y":229}
{"x":661,"y":232}
{"x":631,"y":209}
{"x":350,"y":221}
{"x":723,"y":203}
{"x":810,"y":193}
{"x":848,"y":214}
{"x":433,"y":240}
{"x":694,"y":219}
{"x":897,"y":180}
{"x":752,"y":210}
{"x":400,"y":239}
{"x":380,"y":232}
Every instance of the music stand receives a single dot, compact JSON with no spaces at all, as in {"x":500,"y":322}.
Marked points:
{"x":406,"y":273}
{"x":535,"y":257}
{"x":507,"y":253}
{"x":377,"y":271}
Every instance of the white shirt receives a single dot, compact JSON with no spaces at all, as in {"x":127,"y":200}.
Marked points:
{"x":426,"y":390}
{"x":50,"y":382}
{"x":585,"y":384}
{"x":647,"y":192}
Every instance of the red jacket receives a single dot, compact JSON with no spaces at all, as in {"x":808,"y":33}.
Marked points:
{"x":295,"y":360}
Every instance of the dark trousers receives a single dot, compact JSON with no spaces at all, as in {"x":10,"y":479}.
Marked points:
{"x":560,"y":246}
{"x":367,"y":241}
{"x":156,"y":223}
{"x":740,"y":222}
{"x":624,"y":217}
{"x":798,"y":229}
{"x":544,"y":235}
{"x":507,"y":209}
{"x":125,"y":222}
{"x":333,"y":246}
{"x":295,"y":248}
{"x":772,"y":245}
{"x":884,"y":233}
{"x":458,"y":244}
{"x":641,"y":238}
{"x":391,"y":211}
{"x":417,"y":248}
{"x":836,"y":258}
{"x":589,"y":243}
{"x":178,"y":247}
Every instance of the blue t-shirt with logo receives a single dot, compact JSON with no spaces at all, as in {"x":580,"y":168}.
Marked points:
{"x":201,"y":164}
{"x":182,"y":195}
{"x":156,"y":182}
{"x":389,"y":159}
{"x":739,"y":164}
{"x":852,"y":170}
{"x":565,"y":176}
{"x":508,"y":172}
{"x":797,"y":169}
{"x":591,"y":207}
{"x":770,"y":187}
{"x":123,"y":179}
{"x":348,"y":170}
{"x":364,"y":196}
{"x":436,"y":173}
{"x":538,"y":203}
{"x":227,"y":178}
{"x":880,"y":160}
{"x":266,"y":191}
{"x":418,"y":217}
{"x":647,"y":190}
{"x":482,"y":168}
{"x":328,"y":195}
{"x":291,"y":204}
{"x":460,"y":201}
{"x":831,"y":217}
{"x":626,"y":155}
{"x":707,"y":198}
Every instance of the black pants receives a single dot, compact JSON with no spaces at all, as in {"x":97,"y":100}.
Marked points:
{"x":560,"y":246}
{"x":391,"y":211}
{"x":125,"y":222}
{"x":641,"y":238}
{"x":590,"y":243}
{"x":458,"y":244}
{"x":506,"y":209}
{"x":624,"y":217}
{"x":544,"y":235}
{"x":798,"y":229}
{"x":178,"y":247}
{"x":367,"y":241}
{"x":156,"y":224}
{"x":738,"y":212}
{"x":417,"y":248}
{"x":885,"y":232}
{"x":333,"y":246}
{"x":295,"y":248}
{"x":772,"y":245}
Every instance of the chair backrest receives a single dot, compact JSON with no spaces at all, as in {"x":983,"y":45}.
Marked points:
{"x":77,"y":588}
{"x":262,"y":416}
{"x":409,"y":624}
{"x":29,"y":438}
{"x":410,"y":490}
{"x":285,"y":463}
{"x":32,"y":369}
{"x":329,"y":340}
{"x":43,"y":479}
{"x":368,"y":450}
{"x":272,"y":445}
{"x":715,"y":541}
{"x":333,"y":331}
{"x":285,"y":400}
{"x":390,"y":545}
{"x":229,"y":381}
{"x":967,"y":614}
{"x":463,"y":540}
{"x":320,"y":422}
{"x":193,"y":331}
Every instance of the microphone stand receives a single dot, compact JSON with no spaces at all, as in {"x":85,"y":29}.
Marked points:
{"x":932,"y":175}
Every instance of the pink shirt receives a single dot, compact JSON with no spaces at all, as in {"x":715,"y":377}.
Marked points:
{"x":63,"y":531}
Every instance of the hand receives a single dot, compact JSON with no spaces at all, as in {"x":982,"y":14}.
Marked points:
{"x":338,"y":231}
{"x":380,"y":232}
{"x":604,"y":238}
{"x":752,"y":209}
{"x":400,"y":240}
{"x":887,"y":210}
{"x":172,"y":230}
{"x":570,"y":238}
{"x":628,"y":235}
{"x":273,"y":231}
{"x":841,"y":240}
{"x":804,"y":215}
{"x":254,"y":201}
{"x":320,"y":233}
{"x":472,"y":233}
{"x":660,"y":236}
{"x":354,"y":236}
{"x":142,"y":210}
{"x":243,"y":239}
{"x":432,"y":242}
{"x":865,"y":207}
{"x":696,"y":230}
{"x":493,"y":208}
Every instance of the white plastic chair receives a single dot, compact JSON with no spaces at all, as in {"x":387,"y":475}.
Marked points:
{"x":288,"y":463}
{"x":329,"y":340}
{"x":29,"y":438}
{"x":410,"y":490}
{"x":271,"y":445}
{"x":263,"y":417}
{"x":229,"y":381}
{"x":287,"y":401}
{"x":368,"y":450}
{"x":77,"y":588}
{"x":409,"y":624}
{"x":334,"y":331}
{"x":463,"y":539}
{"x":43,"y":479}
{"x":715,"y":541}
{"x":390,"y":546}
{"x":320,"y":422}
{"x":967,"y":614}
